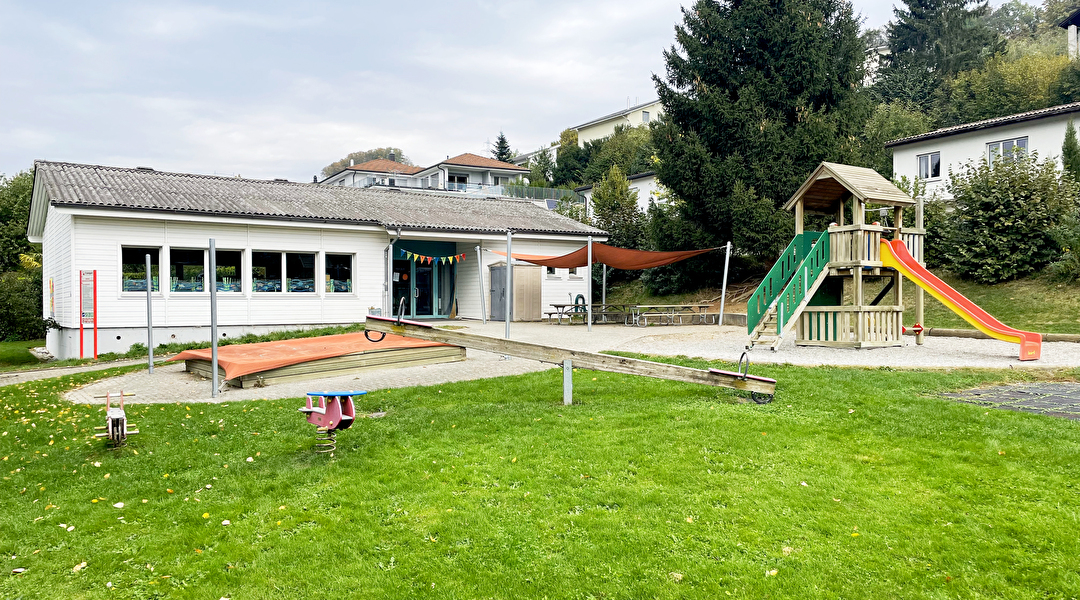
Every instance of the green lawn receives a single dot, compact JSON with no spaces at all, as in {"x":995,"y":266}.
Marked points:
{"x":16,"y":354}
{"x":853,"y":483}
{"x":1032,"y":304}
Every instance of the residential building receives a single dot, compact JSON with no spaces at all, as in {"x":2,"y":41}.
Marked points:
{"x":633,"y":116}
{"x":932,"y":156}
{"x":462,"y":173}
{"x":644,"y":184}
{"x":288,"y":255}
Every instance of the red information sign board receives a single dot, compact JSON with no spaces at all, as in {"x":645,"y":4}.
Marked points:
{"x":88,"y":307}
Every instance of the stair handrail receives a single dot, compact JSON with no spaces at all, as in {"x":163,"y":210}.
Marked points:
{"x":773,"y":285}
{"x":806,"y":273}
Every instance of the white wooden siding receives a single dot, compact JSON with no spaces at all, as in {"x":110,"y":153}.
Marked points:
{"x":552,"y":290}
{"x":56,"y":264}
{"x":98,"y":242}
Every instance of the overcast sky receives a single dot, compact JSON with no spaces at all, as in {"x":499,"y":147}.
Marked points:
{"x":280,"y":89}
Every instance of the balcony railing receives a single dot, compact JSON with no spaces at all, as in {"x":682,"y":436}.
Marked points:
{"x":482,"y":190}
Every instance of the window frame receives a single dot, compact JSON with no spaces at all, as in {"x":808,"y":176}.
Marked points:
{"x":929,"y":165}
{"x":1000,"y":147}
{"x":120,"y":264}
{"x":206,"y":268}
{"x":281,"y":277}
{"x":326,"y":273}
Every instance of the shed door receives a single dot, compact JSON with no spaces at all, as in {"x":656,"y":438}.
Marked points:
{"x":498,"y":292}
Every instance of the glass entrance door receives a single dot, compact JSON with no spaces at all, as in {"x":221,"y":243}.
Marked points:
{"x":423,"y":291}
{"x":427,"y":291}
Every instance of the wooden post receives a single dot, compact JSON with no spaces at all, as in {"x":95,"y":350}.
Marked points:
{"x":919,"y":299}
{"x":799,"y":216}
{"x":898,"y":281}
{"x":567,"y":382}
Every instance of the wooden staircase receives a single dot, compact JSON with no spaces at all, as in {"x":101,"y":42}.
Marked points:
{"x":766,"y":333}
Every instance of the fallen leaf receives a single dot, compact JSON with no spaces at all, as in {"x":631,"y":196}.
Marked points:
{"x":118,"y":505}
{"x":79,"y":567}
{"x":676,"y":577}
{"x":226,"y":523}
{"x":206,"y":515}
{"x":804,"y":484}
{"x":772,"y":573}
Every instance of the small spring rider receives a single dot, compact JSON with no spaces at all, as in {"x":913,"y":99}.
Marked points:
{"x":329,"y":412}
{"x":116,"y":425}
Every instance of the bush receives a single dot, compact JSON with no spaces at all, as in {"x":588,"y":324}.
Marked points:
{"x":1006,"y":219}
{"x":20,"y":296}
{"x":1067,"y":267}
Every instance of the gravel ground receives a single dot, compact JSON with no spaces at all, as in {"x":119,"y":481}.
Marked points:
{"x":171,"y":384}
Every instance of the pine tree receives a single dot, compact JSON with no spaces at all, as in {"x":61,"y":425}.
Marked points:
{"x":757,"y":94}
{"x":1070,"y":152}
{"x":502,"y":151}
{"x":932,"y":40}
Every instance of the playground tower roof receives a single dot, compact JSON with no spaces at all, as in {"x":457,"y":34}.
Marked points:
{"x":832,"y":183}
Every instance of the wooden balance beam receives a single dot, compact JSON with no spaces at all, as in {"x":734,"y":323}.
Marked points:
{"x":569,"y":358}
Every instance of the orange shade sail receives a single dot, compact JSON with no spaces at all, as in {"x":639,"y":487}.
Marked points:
{"x":618,"y":258}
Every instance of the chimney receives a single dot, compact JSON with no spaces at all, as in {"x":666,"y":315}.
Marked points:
{"x":393,"y":156}
{"x":352,"y":162}
{"x":314,"y":179}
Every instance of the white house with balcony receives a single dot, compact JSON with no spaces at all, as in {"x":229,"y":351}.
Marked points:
{"x":633,"y":116}
{"x":643,"y":184}
{"x":464,"y":172}
{"x":932,"y":156}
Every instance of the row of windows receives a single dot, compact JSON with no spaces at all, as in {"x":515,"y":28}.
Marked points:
{"x":293,"y":272}
{"x":930,"y":163}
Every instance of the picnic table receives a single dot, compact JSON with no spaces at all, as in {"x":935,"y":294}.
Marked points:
{"x":666,"y":313}
{"x":602,"y":313}
{"x":629,"y":314}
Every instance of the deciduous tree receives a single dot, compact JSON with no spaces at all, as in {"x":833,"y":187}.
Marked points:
{"x":364,"y":156}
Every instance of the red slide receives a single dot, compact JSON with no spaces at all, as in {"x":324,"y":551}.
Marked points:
{"x":895,"y":254}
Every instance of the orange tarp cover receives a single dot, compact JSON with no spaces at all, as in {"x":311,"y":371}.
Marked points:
{"x":619,"y":258}
{"x":244,"y":359}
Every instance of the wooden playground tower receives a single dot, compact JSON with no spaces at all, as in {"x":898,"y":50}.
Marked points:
{"x":816,"y":288}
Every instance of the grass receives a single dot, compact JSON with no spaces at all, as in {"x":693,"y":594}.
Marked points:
{"x":1031,"y":304}
{"x":139,"y":350}
{"x":494,"y":489}
{"x":17,"y":354}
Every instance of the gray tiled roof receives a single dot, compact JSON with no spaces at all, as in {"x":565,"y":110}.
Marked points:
{"x":1030,"y":115}
{"x":92,"y":186}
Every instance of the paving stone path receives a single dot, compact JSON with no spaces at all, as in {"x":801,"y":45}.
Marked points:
{"x":1053,"y":399}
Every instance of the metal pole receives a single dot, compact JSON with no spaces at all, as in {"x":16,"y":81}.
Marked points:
{"x":149,"y":314}
{"x":213,"y":318}
{"x":588,"y":287}
{"x":509,"y":281}
{"x":480,"y":276}
{"x":723,"y":289}
{"x":567,"y":382}
{"x":603,"y":288}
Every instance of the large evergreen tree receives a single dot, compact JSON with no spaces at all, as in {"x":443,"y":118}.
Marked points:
{"x":757,"y":93}
{"x":615,"y":210}
{"x":502,"y":150}
{"x":1070,"y":152}
{"x":932,"y":40}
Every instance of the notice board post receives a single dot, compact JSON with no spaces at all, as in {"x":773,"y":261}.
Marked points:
{"x":87,"y":309}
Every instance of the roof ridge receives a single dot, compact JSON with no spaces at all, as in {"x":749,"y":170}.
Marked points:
{"x":150,"y":170}
{"x":982,"y":124}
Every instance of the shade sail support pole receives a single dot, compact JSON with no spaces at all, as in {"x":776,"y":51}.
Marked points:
{"x":508,"y":316}
{"x":723,"y":289}
{"x":588,"y":287}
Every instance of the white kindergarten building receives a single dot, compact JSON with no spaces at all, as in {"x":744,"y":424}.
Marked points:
{"x":288,"y":255}
{"x":932,"y":156}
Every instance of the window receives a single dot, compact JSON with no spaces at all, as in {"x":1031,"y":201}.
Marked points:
{"x":187,"y":270}
{"x":457,"y":182}
{"x":266,"y":271}
{"x":300,"y":271}
{"x":229,"y":267}
{"x":133,"y":268}
{"x":338,"y":273}
{"x":1014,"y":148}
{"x":551,"y":273}
{"x":573,"y":271}
{"x":644,"y":116}
{"x":435,"y":181}
{"x":930,"y":165}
